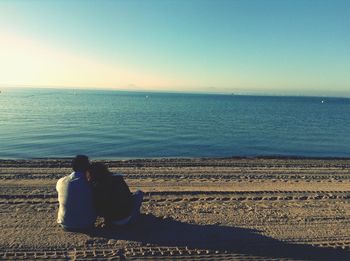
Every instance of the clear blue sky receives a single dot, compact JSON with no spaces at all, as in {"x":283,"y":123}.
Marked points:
{"x":243,"y":46}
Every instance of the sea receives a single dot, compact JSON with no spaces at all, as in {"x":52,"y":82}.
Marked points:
{"x":53,"y":123}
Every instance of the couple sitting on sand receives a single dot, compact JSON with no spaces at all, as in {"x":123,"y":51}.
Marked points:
{"x":91,"y":191}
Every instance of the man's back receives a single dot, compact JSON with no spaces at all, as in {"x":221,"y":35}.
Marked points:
{"x":76,"y":209}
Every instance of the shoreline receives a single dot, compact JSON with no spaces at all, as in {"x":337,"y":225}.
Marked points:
{"x":245,"y":162}
{"x":277,"y":157}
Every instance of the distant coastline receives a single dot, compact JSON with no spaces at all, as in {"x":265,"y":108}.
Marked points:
{"x":150,"y":91}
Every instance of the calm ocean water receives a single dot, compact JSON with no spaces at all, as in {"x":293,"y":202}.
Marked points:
{"x":112,"y":124}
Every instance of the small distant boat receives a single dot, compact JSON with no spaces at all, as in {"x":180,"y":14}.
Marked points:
{"x":146,"y":96}
{"x":322,"y":101}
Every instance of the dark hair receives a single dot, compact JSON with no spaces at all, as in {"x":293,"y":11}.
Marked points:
{"x":80,"y":163}
{"x":99,"y":171}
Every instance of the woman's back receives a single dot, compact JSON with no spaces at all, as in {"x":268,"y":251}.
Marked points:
{"x":113,"y":198}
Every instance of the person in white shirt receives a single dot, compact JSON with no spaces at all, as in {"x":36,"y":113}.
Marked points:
{"x":76,"y":208}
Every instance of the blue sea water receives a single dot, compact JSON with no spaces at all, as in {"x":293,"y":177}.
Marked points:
{"x":113,"y":124}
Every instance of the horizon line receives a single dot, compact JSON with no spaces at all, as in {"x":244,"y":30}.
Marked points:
{"x":150,"y":90}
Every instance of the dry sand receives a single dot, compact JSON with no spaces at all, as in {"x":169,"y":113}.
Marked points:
{"x":194,"y":209}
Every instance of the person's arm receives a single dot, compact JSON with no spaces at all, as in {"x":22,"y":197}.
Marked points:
{"x":96,"y":195}
{"x":58,"y":185}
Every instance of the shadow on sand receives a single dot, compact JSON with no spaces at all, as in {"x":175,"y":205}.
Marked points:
{"x":167,"y":232}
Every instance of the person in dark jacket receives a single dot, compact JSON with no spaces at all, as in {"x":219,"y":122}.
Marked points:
{"x":113,"y":199}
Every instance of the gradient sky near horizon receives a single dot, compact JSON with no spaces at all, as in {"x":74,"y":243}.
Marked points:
{"x":297,"y":47}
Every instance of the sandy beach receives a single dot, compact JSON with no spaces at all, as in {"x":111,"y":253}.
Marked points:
{"x":194,"y":209}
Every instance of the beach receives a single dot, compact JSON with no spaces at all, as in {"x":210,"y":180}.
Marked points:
{"x":194,"y":209}
{"x":228,"y":120}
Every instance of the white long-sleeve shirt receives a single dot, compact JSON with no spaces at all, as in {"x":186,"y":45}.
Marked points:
{"x":76,"y":209}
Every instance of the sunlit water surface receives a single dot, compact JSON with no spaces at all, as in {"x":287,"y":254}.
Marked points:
{"x":111,"y":124}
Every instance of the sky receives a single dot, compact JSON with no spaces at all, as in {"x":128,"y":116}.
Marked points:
{"x":299,"y":47}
